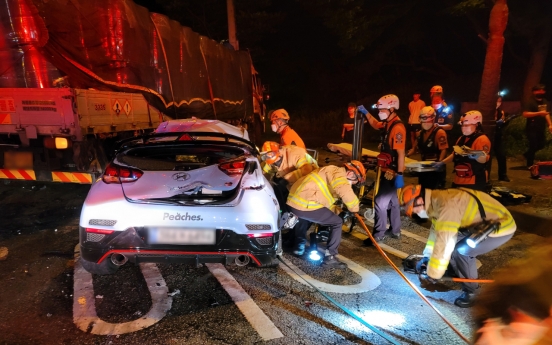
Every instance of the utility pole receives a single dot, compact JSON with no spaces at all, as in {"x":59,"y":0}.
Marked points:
{"x":232,"y":24}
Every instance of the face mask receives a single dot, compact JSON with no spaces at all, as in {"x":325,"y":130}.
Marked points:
{"x":427,"y":125}
{"x":437,"y":106}
{"x":383,"y":115}
{"x":423,"y":214}
{"x":498,"y":104}
{"x":274,"y":127}
{"x":467,"y":130}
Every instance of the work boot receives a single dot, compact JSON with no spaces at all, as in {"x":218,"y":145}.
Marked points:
{"x":395,"y":236}
{"x":368,"y":241}
{"x":332,"y":262}
{"x":466,"y":300}
{"x":504,"y":178}
{"x":299,"y":249}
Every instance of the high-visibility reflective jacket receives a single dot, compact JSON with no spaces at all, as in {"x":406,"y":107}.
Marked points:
{"x":296,"y":162}
{"x":290,"y":137}
{"x":321,"y":188}
{"x":451,"y":209}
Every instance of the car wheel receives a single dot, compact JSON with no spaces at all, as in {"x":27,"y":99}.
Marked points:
{"x":104,"y":268}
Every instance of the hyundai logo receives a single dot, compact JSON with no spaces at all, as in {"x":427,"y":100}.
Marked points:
{"x":181,"y":176}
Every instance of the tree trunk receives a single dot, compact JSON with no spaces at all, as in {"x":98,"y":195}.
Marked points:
{"x":493,"y":62}
{"x":539,"y":50}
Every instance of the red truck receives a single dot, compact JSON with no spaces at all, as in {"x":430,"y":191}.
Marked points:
{"x":77,"y":76}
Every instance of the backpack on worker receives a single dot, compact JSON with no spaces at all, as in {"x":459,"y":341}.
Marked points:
{"x":542,"y":170}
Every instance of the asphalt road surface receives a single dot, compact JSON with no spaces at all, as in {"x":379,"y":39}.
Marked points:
{"x":47,"y":298}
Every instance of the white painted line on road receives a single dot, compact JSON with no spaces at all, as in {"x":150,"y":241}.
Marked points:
{"x":370,"y":281}
{"x":256,"y":317}
{"x":84,"y":308}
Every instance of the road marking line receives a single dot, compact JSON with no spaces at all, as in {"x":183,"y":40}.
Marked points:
{"x":256,"y":317}
{"x":370,"y":281}
{"x":404,"y":232}
{"x":84,"y":308}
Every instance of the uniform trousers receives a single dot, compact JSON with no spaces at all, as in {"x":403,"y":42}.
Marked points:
{"x":324,"y":217}
{"x":463,"y":258}
{"x":386,"y":205}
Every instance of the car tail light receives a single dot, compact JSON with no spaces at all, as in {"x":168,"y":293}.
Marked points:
{"x":185,"y":137}
{"x":100,"y":231}
{"x":232,"y":168}
{"x":260,"y":234}
{"x":117,"y":174}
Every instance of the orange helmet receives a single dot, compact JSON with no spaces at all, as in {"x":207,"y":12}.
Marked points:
{"x":271,"y":152}
{"x":279,"y":114}
{"x":436,"y":89}
{"x":357,"y":168}
{"x":408,"y":196}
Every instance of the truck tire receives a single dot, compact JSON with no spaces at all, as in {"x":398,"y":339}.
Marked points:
{"x":106,"y":267}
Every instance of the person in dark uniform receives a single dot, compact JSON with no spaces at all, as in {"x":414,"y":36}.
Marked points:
{"x":390,"y":165}
{"x":471,"y":154}
{"x":537,"y":113}
{"x":444,"y":117}
{"x":498,"y":146}
{"x":432,"y":143}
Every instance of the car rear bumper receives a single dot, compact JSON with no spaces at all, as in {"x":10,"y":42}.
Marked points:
{"x":132,"y":244}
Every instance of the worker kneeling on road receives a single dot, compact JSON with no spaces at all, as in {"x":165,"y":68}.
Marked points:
{"x":312,"y":196}
{"x":288,"y":136}
{"x":465,"y":223}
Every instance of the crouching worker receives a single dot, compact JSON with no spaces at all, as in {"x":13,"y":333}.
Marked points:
{"x":465,"y":223}
{"x":287,"y":164}
{"x":312,"y":197}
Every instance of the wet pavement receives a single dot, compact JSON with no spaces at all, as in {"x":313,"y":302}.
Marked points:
{"x":39,"y":223}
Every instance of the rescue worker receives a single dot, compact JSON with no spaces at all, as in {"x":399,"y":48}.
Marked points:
{"x":311,"y":199}
{"x":414,"y":108}
{"x":537,"y":113}
{"x":391,"y":165}
{"x":453,"y":213}
{"x":470,"y":166}
{"x":498,"y":147}
{"x":444,"y":116}
{"x":432,"y":143}
{"x":437,"y":89}
{"x":288,"y":136}
{"x":288,"y":164}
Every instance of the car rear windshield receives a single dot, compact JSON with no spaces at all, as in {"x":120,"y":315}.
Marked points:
{"x":179,"y":158}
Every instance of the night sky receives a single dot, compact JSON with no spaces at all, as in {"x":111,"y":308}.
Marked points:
{"x":316,"y":57}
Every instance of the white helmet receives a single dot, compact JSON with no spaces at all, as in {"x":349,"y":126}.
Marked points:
{"x":427,"y":114}
{"x":436,"y":88}
{"x":472,"y":117}
{"x":388,"y":102}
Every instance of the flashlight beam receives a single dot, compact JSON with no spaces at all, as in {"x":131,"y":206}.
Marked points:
{"x":361,"y":221}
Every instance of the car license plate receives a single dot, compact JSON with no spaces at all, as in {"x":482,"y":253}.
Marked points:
{"x":181,"y":236}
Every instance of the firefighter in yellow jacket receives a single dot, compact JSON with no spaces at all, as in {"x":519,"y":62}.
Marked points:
{"x":458,"y":235}
{"x":312,"y":197}
{"x":289,"y":162}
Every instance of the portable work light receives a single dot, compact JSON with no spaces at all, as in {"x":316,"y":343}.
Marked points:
{"x":481,"y":233}
{"x":313,"y":250}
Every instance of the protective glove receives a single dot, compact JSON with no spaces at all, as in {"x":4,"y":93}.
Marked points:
{"x":438,"y":165}
{"x":389,"y":174}
{"x":421,"y":266}
{"x":361,"y":109}
{"x":399,"y":181}
{"x":425,"y":279}
{"x":500,"y":122}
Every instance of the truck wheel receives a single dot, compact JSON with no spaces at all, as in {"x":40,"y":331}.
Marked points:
{"x":104,"y":268}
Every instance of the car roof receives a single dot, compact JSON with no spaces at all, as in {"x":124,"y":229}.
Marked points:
{"x":199,"y":125}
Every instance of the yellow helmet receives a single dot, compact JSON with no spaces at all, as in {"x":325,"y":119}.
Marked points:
{"x":270,"y":152}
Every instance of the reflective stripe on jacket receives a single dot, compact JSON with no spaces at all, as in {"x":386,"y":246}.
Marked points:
{"x":451,"y":209}
{"x":296,"y":162}
{"x":321,"y":188}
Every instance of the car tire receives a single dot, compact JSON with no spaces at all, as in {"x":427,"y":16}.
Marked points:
{"x":104,"y":268}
